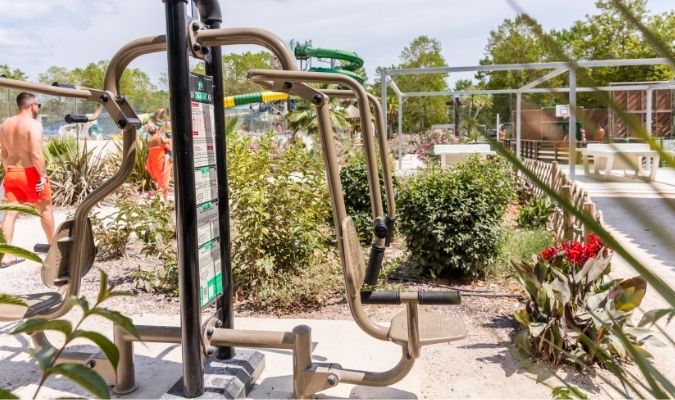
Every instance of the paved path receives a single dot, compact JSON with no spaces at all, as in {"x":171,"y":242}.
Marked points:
{"x":480,"y":366}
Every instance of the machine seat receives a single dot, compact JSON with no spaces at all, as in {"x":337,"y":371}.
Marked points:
{"x":433,"y":328}
{"x":37,"y":303}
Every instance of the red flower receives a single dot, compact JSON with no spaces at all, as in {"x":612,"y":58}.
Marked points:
{"x":549,"y":253}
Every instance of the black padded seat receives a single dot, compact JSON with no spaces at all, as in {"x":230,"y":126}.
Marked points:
{"x":36,"y":304}
{"x":433,"y":328}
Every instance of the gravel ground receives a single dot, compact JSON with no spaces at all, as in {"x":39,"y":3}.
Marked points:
{"x":482,"y":365}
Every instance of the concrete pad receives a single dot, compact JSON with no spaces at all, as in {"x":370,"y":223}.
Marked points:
{"x":158,"y":366}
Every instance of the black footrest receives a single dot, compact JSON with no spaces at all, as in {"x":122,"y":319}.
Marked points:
{"x":41,"y":248}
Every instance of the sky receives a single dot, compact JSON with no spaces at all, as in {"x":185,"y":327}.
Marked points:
{"x":36,"y":34}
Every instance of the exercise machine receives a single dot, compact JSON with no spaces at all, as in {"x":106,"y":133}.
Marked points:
{"x":199,"y":144}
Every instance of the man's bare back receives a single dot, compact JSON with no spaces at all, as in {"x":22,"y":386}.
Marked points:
{"x":20,"y":138}
{"x":26,"y":180}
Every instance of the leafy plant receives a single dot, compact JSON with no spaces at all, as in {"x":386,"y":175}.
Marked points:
{"x":572,"y":311}
{"x":279,"y":210}
{"x":451,"y":218}
{"x":535,"y":214}
{"x":140,"y":177}
{"x":357,"y":196}
{"x":48,"y":357}
{"x":74,"y":172}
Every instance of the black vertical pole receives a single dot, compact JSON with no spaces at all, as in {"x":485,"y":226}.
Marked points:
{"x":214,"y":68}
{"x":186,"y":200}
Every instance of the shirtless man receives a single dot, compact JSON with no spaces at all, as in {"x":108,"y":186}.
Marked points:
{"x":25,"y":173}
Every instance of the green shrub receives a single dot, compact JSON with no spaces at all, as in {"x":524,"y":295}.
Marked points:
{"x":279,"y":209}
{"x":451,"y":218}
{"x":140,"y":177}
{"x":535,"y":214}
{"x":357,"y":195}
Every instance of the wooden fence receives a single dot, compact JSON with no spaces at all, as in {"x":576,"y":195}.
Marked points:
{"x":565,"y":225}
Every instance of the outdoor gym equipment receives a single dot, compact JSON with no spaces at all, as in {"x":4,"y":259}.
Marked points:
{"x":199,"y":145}
{"x":72,"y":255}
{"x":305,"y":52}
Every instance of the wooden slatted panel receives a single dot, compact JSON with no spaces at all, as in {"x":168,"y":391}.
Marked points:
{"x":544,"y":172}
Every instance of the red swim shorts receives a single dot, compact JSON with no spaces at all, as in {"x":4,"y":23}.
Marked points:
{"x":20,"y":184}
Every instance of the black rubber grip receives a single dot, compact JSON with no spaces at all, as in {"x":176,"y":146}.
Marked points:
{"x":41,"y":248}
{"x":76,"y":118}
{"x":450,"y":297}
{"x":390,"y":222}
{"x":63,"y":85}
{"x":374,"y":264}
{"x":380,"y":228}
{"x":439,"y":298}
{"x":381,"y":297}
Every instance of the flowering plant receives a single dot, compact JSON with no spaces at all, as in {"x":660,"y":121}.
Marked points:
{"x":572,"y":311}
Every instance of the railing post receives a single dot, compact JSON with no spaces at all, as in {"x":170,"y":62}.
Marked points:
{"x":568,"y":229}
{"x":554,"y":174}
{"x":591,"y":210}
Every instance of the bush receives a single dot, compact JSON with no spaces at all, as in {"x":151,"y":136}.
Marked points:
{"x":425,"y":147}
{"x":357,"y":195}
{"x":74,"y":171}
{"x":451,"y":218}
{"x":572,"y":313}
{"x":280,"y":208}
{"x":535,"y":214}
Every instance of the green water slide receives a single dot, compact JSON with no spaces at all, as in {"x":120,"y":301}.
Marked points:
{"x":305,"y":52}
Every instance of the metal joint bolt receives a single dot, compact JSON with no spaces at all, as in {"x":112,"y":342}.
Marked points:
{"x":317,"y":99}
{"x":195,"y":27}
{"x":105,"y":97}
{"x":196,"y":47}
{"x":287,"y":85}
{"x":210,"y":351}
{"x":209,"y":331}
{"x":332,"y":380}
{"x":205,"y":50}
{"x":122,"y":123}
{"x":219,"y":323}
{"x":90,"y":364}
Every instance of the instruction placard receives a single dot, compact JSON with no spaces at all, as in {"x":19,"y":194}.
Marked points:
{"x":206,"y":188}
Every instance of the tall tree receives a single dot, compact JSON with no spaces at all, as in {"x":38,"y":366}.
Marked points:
{"x":471,"y":110}
{"x":513,"y":42}
{"x":421,"y":112}
{"x":610,"y":35}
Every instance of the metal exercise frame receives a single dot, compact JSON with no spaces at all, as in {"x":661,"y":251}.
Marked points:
{"x":387,"y":76}
{"x":410,"y":329}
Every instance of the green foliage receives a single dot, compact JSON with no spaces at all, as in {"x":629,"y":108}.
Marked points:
{"x":152,"y":222}
{"x":422,"y":112}
{"x":279,"y":210}
{"x":357,"y":195}
{"x":48,"y":357}
{"x":572,"y":311}
{"x":451,"y":218}
{"x":518,"y":245}
{"x":304,"y":119}
{"x":140,"y":177}
{"x":74,"y":171}
{"x":135,"y":85}
{"x":535,"y":214}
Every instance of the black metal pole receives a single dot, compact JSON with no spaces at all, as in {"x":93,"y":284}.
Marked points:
{"x":214,"y":68}
{"x":186,"y":200}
